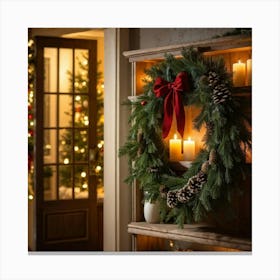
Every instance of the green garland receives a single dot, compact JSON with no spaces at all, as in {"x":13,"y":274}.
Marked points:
{"x":218,"y":169}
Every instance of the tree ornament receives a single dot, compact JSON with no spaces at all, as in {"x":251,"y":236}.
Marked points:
{"x":220,"y":93}
{"x":143,"y":103}
{"x":212,"y":157}
{"x":172,"y":199}
{"x":78,"y":109}
{"x":85,"y":103}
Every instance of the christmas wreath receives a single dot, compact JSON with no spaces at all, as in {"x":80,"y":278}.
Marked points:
{"x":215,"y":173}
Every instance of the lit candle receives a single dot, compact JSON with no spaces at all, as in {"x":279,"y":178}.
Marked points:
{"x":189,"y":149}
{"x":238,"y":74}
{"x":249,"y":72}
{"x":175,"y":149}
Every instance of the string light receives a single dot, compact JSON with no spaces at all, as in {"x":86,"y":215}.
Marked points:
{"x":76,"y":148}
{"x":30,"y":196}
{"x":66,"y":161}
{"x":83,"y":174}
{"x":84,"y":186}
{"x":99,"y":145}
{"x":78,"y":98}
{"x":98,"y":168}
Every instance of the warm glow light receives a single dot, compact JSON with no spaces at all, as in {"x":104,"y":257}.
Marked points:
{"x":83,"y":174}
{"x":175,"y":148}
{"x":99,"y":145}
{"x":98,"y":168}
{"x":102,"y":85}
{"x":78,"y":98}
{"x":63,"y":142}
{"x":76,"y":148}
{"x":84,"y":186}
{"x":238,"y":74}
{"x":188,"y":149}
{"x":66,"y":161}
{"x":82,"y":150}
{"x":30,"y":197}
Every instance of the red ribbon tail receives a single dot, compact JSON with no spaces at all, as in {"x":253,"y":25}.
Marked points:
{"x":168,"y":115}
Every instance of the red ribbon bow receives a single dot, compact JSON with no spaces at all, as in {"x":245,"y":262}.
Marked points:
{"x":173,"y":97}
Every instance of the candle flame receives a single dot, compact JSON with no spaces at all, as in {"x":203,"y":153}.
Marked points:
{"x":175,"y":136}
{"x":189,"y":138}
{"x":239,"y":61}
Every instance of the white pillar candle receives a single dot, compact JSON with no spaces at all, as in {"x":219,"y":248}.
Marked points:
{"x":175,"y":149}
{"x":238,"y":74}
{"x":249,"y":72}
{"x":189,"y":149}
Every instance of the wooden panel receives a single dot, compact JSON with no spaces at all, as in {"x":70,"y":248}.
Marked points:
{"x":150,"y":243}
{"x":66,"y":225}
{"x":197,"y":233}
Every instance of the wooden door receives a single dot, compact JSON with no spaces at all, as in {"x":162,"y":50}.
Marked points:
{"x":66,"y":203}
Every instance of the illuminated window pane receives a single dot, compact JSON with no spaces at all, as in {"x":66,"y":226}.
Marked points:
{"x":49,"y":182}
{"x":65,"y":70}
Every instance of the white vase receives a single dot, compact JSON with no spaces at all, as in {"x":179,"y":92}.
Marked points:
{"x":151,"y":212}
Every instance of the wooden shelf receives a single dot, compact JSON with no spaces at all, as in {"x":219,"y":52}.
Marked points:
{"x":209,"y":47}
{"x":197,"y":233}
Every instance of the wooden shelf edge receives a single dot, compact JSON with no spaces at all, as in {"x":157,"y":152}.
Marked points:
{"x":215,"y":44}
{"x":197,"y":233}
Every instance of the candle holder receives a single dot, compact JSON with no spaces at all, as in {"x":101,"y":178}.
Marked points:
{"x":180,"y":167}
{"x":186,"y":163}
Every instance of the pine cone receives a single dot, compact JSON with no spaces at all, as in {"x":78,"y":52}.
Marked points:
{"x":163,"y":191}
{"x":184,"y":195}
{"x":213,"y":79}
{"x":205,"y":166}
{"x":220,"y":94}
{"x":172,"y":199}
{"x":201,"y":177}
{"x":212,"y":157}
{"x":210,"y":128}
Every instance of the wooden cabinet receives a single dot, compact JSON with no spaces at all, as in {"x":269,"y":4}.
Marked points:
{"x":232,"y":49}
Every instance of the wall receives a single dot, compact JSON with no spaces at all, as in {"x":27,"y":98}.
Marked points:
{"x":158,"y":37}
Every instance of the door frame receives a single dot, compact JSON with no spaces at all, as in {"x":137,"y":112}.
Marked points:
{"x":117,"y":199}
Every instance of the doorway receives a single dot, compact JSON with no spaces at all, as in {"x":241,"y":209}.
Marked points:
{"x":67,"y":146}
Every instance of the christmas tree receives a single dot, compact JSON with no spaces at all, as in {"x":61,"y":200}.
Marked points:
{"x":80,"y":137}
{"x":31,"y":82}
{"x":81,"y":148}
